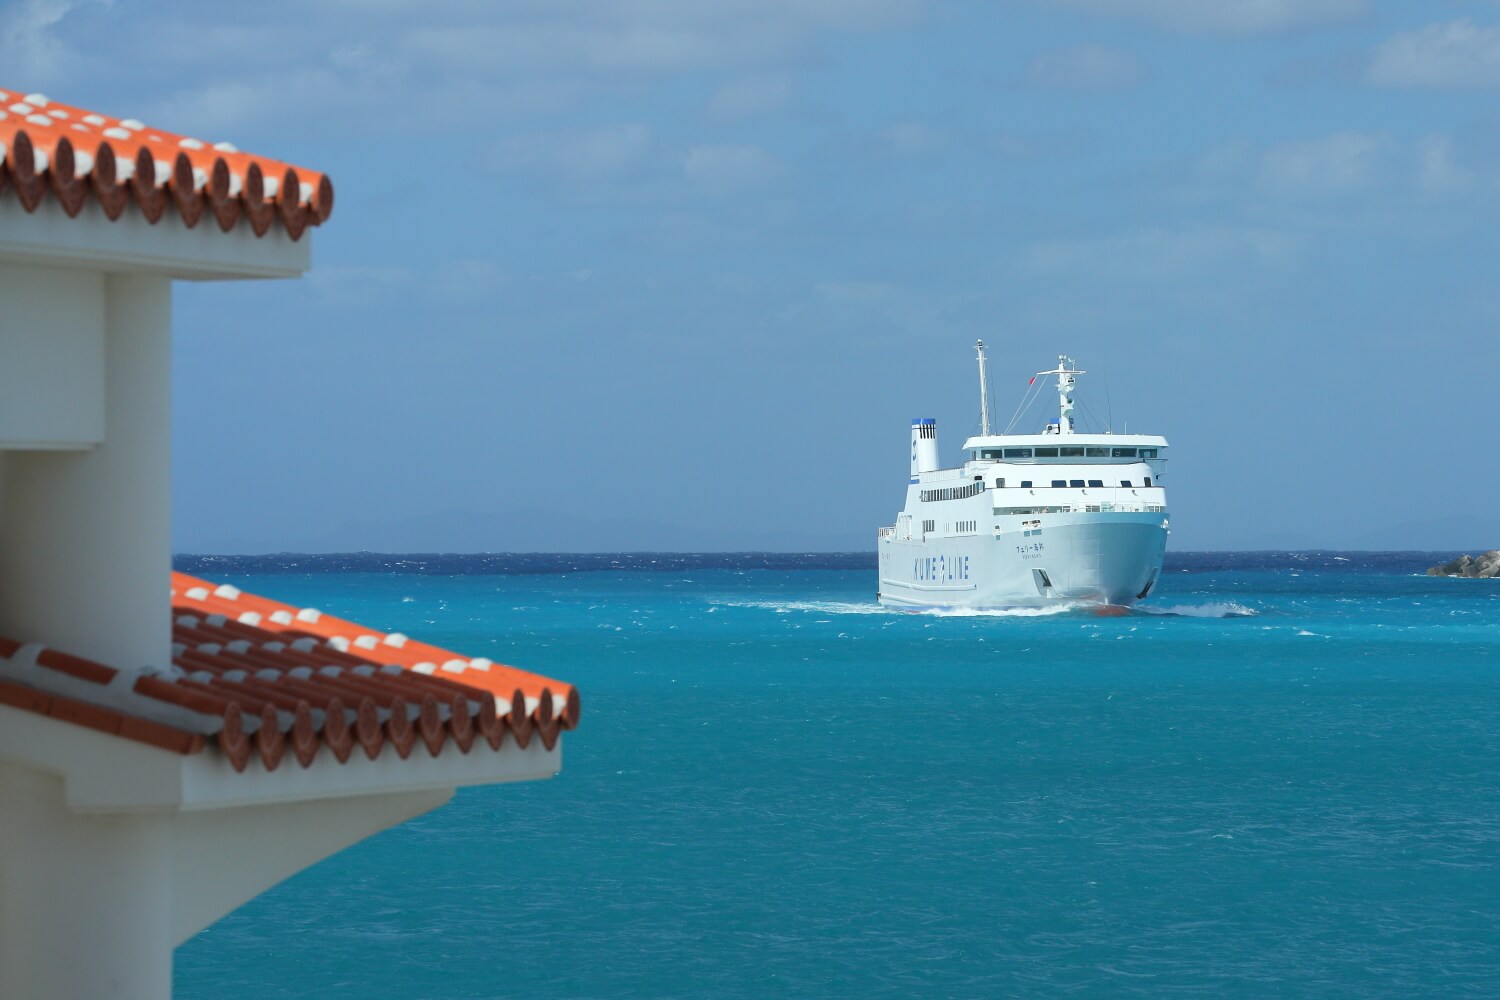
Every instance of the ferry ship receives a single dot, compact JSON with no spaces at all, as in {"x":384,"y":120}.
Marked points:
{"x":1029,"y":520}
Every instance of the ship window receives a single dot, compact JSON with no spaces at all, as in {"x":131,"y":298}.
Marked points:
{"x":1058,"y":483}
{"x":1098,"y":453}
{"x":1025,"y":484}
{"x":1148,"y":452}
{"x":1076,"y":483}
{"x":1046,"y":452}
{"x":1096,"y":482}
{"x":1070,"y":452}
{"x":1124,"y":453}
{"x":1148,"y":480}
{"x":1000,"y":484}
{"x":1126,"y":483}
{"x":1018,"y":453}
{"x":993,"y":453}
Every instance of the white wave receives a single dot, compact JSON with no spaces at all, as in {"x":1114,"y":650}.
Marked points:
{"x":860,"y":608}
{"x":817,"y":607}
{"x":1055,"y":609}
{"x":1226,"y":609}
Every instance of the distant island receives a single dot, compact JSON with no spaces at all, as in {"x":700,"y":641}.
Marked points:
{"x":1483,"y":567}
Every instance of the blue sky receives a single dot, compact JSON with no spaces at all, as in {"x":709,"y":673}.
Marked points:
{"x":673,"y":273}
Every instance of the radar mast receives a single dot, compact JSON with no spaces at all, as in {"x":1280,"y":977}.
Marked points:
{"x":1066,"y":379}
{"x":984,"y":392}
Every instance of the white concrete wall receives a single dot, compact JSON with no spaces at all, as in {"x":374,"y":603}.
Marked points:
{"x":85,"y":537}
{"x":85,"y":901}
{"x":51,"y":357}
{"x":92,"y":905}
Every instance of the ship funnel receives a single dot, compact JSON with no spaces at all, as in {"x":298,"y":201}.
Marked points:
{"x":924,"y":454}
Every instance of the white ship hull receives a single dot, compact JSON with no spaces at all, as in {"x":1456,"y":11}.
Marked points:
{"x":1028,"y":520}
{"x":1032,"y":561}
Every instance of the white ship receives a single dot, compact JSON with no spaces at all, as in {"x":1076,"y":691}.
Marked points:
{"x":1028,"y":520}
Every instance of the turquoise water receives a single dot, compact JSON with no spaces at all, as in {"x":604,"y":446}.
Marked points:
{"x":1282,"y":780}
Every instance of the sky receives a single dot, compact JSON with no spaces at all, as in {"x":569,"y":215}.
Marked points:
{"x":665,"y":274}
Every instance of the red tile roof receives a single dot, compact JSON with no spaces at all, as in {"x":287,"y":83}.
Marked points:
{"x":47,"y":148}
{"x":255,"y":677}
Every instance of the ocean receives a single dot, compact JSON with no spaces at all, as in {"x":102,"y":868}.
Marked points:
{"x":1279,"y":777}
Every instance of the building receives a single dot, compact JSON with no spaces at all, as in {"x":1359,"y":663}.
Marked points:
{"x":170,"y":748}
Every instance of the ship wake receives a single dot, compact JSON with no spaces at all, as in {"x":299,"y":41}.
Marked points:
{"x":1224,"y":609}
{"x":871,"y":608}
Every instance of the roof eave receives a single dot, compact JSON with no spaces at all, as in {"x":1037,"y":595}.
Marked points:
{"x":105,"y":774}
{"x":131,"y":244}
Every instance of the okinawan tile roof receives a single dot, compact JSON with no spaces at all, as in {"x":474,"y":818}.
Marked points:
{"x":47,"y":148}
{"x":252,"y":676}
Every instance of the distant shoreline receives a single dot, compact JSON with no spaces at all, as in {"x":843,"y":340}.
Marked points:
{"x":514,"y":563}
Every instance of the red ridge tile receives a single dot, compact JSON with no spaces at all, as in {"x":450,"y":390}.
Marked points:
{"x":270,"y":742}
{"x":280,"y":667}
{"x":20,"y":696}
{"x":76,"y":666}
{"x":73,"y":159}
{"x":232,"y":738}
{"x":106,"y":720}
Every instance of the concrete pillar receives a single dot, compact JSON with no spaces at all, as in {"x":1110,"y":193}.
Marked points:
{"x":85,"y":901}
{"x":86,"y":537}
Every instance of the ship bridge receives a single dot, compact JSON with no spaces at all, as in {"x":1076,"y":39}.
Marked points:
{"x":1089,"y":448}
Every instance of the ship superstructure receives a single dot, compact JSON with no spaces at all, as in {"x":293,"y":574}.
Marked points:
{"x":1029,"y":520}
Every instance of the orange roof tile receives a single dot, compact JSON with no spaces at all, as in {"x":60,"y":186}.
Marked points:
{"x":74,"y":155}
{"x":252,"y":676}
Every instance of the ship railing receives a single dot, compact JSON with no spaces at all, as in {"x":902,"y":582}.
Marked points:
{"x":1086,"y":508}
{"x":887,"y":533}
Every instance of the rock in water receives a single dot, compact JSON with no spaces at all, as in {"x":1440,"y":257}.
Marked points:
{"x":1454,"y":568}
{"x":1484,"y":567}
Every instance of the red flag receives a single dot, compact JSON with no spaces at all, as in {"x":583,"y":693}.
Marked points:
{"x":1031,"y":380}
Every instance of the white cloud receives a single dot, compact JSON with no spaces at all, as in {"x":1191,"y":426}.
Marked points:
{"x":585,"y":154}
{"x":751,"y":96}
{"x":448,"y":283}
{"x":359,"y":286}
{"x":859,"y":293}
{"x":1340,"y":167}
{"x":1342,"y":163}
{"x":1438,"y":169}
{"x":1085,"y":67}
{"x":418,"y":66}
{"x":1455,"y":55}
{"x":912,"y":138}
{"x":1160,"y":254}
{"x":458,"y":282}
{"x":1228,"y":17}
{"x":730,"y":168}
{"x":30,"y":50}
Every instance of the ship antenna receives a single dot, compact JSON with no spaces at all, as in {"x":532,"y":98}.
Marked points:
{"x":1065,"y":382}
{"x":984,"y":393}
{"x":1109,"y":408}
{"x":1066,"y":378}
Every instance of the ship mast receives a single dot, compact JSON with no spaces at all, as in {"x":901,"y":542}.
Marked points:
{"x":984,"y":393}
{"x":1066,"y":378}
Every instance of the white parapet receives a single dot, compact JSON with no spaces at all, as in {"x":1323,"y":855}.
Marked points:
{"x":52,"y":346}
{"x":85,"y":909}
{"x":86,"y":536}
{"x":130,"y":243}
{"x":113,"y":852}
